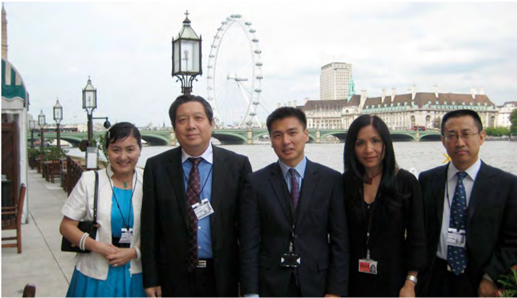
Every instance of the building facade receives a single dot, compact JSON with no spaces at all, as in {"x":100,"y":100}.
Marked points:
{"x":503,"y":118}
{"x":335,"y":81}
{"x":415,"y":110}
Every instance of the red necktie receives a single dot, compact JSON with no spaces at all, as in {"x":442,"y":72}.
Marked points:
{"x":193,"y":193}
{"x":295,"y":192}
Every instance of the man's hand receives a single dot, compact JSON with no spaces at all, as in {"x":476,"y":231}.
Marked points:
{"x":408,"y":290}
{"x":154,"y":291}
{"x":331,"y":295}
{"x":487,"y":288}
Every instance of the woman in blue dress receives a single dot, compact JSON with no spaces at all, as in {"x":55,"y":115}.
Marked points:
{"x":113,"y":267}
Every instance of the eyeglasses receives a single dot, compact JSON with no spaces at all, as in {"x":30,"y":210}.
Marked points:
{"x":453,"y":137}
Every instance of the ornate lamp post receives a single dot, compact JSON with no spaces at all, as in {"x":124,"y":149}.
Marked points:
{"x":186,"y":56}
{"x":41,"y":123}
{"x":32,"y":126}
{"x":90,"y":104}
{"x":58,"y":116}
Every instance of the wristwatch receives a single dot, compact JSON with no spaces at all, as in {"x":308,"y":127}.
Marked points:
{"x":412,"y":278}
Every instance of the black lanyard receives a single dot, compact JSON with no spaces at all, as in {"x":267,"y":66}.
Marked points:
{"x":371,"y":208}
{"x":204,"y":184}
{"x":130,"y":200}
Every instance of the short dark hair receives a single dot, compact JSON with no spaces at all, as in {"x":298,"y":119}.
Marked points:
{"x":461,"y":113}
{"x":285,"y":112}
{"x":121,"y":131}
{"x":389,"y":163}
{"x":188,"y":98}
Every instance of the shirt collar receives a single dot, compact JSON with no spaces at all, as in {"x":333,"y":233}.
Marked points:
{"x":472,"y":171}
{"x":299,"y":168}
{"x":208,"y":155}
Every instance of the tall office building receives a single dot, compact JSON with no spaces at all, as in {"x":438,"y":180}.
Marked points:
{"x":335,"y":80}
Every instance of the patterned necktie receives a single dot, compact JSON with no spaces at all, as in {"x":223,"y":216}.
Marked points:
{"x":295,"y":191}
{"x":457,"y":256}
{"x":193,"y":193}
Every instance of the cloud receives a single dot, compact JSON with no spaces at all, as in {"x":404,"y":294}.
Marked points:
{"x":125,"y":47}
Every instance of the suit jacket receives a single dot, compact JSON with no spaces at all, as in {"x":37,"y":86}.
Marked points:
{"x":491,"y":220}
{"x":321,"y":235}
{"x":165,"y":227}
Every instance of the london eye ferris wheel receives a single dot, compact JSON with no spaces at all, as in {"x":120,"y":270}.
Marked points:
{"x":234,"y":74}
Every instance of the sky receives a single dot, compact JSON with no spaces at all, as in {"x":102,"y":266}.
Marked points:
{"x":125,"y":48}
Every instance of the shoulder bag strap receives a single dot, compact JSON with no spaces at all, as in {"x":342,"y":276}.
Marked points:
{"x":95,"y":195}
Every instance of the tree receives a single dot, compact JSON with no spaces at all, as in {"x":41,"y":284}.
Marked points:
{"x":497,"y":131}
{"x":513,"y":120}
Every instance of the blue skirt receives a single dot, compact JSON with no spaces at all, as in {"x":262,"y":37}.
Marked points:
{"x":119,"y":283}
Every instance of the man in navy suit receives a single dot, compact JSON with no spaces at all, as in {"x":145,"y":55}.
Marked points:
{"x":294,"y":237}
{"x":470,"y":215}
{"x":187,"y":252}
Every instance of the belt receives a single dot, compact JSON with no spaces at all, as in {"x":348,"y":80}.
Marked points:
{"x":204,"y":263}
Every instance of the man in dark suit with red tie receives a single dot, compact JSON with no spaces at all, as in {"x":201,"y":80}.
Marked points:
{"x":470,"y":216}
{"x":294,"y":237}
{"x":190,"y":210}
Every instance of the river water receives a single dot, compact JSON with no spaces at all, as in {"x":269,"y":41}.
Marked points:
{"x":418,"y":155}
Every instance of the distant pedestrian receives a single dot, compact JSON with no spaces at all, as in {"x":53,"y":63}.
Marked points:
{"x":113,"y":268}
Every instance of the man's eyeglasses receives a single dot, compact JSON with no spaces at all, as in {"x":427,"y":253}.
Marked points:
{"x":453,"y":137}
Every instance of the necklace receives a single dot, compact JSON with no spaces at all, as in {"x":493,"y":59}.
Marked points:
{"x":369,"y":180}
{"x":125,"y":184}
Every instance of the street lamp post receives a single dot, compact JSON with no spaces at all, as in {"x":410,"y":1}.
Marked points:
{"x":186,"y":56}
{"x":90,"y":104}
{"x":32,"y":125}
{"x":58,"y":116}
{"x":41,"y":123}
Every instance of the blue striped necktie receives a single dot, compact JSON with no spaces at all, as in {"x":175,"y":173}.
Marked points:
{"x":457,"y":256}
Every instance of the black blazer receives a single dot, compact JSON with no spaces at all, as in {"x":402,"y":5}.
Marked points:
{"x":165,"y":229}
{"x":491,"y":220}
{"x":321,"y":235}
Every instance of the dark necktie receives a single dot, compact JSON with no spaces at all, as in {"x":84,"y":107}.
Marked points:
{"x":193,"y":193}
{"x":457,"y":256}
{"x":295,"y":191}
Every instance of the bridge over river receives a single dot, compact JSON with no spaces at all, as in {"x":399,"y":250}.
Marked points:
{"x":240,"y":136}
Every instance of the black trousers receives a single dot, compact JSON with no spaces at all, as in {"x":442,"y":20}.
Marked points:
{"x":444,"y":283}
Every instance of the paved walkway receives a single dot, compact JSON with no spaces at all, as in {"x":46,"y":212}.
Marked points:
{"x":41,"y":262}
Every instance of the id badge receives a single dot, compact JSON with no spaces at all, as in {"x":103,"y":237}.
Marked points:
{"x":127,"y":236}
{"x":368,"y":266}
{"x":202,"y":209}
{"x":456,"y":238}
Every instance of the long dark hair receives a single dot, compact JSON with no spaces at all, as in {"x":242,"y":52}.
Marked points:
{"x":389,"y":165}
{"x":121,"y":131}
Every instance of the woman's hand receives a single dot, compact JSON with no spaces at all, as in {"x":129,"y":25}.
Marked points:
{"x":103,"y":249}
{"x":121,"y":256}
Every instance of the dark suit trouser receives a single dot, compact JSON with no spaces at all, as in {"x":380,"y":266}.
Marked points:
{"x":445,"y":283}
{"x":199,"y":283}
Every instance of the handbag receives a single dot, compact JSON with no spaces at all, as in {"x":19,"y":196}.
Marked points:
{"x":89,"y":226}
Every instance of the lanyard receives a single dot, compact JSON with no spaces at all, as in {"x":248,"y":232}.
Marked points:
{"x":370,"y":208}
{"x":204,"y":184}
{"x":130,"y":200}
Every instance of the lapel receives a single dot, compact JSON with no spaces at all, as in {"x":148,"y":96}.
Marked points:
{"x":218,"y":183}
{"x":438,"y":191}
{"x":480,"y":190}
{"x":174,"y":170}
{"x":309,"y":184}
{"x":280,"y":189}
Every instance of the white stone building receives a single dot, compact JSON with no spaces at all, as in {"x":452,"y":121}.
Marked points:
{"x":335,"y":81}
{"x":503,"y":117}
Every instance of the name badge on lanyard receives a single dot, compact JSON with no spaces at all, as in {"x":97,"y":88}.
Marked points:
{"x":368,"y":266}
{"x":456,"y":237}
{"x":203,"y":209}
{"x":127,"y":236}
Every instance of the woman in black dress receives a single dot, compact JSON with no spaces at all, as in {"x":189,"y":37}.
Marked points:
{"x":384,"y":213}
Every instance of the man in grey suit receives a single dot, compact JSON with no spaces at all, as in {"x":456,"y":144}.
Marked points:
{"x":294,"y":237}
{"x":470,"y":216}
{"x":190,"y":210}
